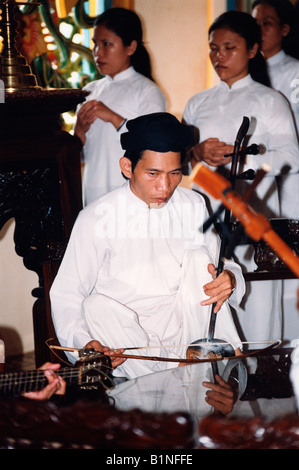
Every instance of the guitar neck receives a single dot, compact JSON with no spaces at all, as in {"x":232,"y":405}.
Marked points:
{"x":33,"y":380}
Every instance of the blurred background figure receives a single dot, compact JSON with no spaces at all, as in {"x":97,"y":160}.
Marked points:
{"x":278,"y":20}
{"x":279,"y":25}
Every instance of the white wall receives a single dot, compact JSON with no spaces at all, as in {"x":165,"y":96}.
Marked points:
{"x":175,"y":34}
{"x":16,"y":301}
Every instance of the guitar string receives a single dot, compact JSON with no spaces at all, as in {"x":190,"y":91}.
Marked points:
{"x":23,"y":375}
{"x":26,"y":377}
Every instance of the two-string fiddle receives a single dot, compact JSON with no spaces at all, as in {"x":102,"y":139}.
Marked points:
{"x":211,"y":346}
{"x":256,"y":225}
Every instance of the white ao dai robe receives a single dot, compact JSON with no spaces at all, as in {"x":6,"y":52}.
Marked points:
{"x":284,"y":74}
{"x":218,"y":112}
{"x":130,"y":95}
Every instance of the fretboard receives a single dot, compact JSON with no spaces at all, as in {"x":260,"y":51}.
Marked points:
{"x":33,"y":380}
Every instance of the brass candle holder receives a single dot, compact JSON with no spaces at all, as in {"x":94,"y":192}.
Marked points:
{"x":15,"y":72}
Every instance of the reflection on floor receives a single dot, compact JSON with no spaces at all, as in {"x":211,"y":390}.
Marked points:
{"x":181,"y":389}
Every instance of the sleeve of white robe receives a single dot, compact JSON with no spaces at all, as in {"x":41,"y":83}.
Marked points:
{"x":280,"y":139}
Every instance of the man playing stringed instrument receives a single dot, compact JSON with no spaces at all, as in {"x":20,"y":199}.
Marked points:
{"x":137,"y":270}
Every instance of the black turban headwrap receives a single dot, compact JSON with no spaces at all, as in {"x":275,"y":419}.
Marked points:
{"x":160,"y":132}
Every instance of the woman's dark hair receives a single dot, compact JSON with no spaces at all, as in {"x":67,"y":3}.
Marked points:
{"x":127,"y":25}
{"x":287,"y":14}
{"x":246,"y":26}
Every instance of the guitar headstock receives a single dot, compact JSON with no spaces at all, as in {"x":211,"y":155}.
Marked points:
{"x":95,"y":368}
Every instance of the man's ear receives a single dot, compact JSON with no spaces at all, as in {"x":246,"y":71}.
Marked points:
{"x":285,"y":29}
{"x":126,"y":167}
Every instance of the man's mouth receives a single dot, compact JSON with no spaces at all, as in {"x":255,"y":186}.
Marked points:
{"x":161,"y":200}
{"x":158,"y":203}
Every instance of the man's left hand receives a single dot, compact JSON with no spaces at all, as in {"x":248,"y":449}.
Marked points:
{"x":56,"y":384}
{"x":222,"y":396}
{"x":220,"y":289}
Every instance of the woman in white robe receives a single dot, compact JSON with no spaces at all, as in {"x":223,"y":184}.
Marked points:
{"x":277,"y":20}
{"x":217,"y":114}
{"x":125,"y":92}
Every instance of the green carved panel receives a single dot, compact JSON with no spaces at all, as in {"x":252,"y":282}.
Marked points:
{"x":58,"y":49}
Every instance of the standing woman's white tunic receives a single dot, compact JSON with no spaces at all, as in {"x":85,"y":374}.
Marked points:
{"x":129,"y":94}
{"x":284,"y":75}
{"x":218,"y":112}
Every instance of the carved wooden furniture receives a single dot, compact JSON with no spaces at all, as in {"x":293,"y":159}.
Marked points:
{"x":40,"y":185}
{"x":269,"y":265}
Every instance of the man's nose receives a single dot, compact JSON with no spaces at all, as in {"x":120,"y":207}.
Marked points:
{"x":163,"y":183}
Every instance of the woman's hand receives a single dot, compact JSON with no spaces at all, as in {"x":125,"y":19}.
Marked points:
{"x":212,"y":152}
{"x":89,"y":112}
